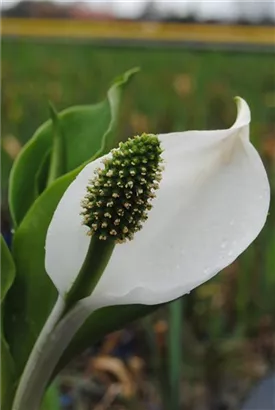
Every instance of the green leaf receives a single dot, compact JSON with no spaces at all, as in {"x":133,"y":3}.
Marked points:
{"x":82,"y":128}
{"x":51,"y":400}
{"x":7,"y":375}
{"x":33,"y":294}
{"x":41,"y":176}
{"x":7,"y":364}
{"x":7,"y":269}
{"x":58,"y":153}
{"x":6,"y":164}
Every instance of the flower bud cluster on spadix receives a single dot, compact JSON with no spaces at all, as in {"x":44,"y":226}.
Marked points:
{"x":118,"y":198}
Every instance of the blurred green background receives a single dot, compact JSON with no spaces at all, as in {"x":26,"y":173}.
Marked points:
{"x":227,"y":340}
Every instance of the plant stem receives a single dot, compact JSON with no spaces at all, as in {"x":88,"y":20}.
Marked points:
{"x":64,"y":321}
{"x":175,"y":352}
{"x":52,"y":341}
{"x":97,"y":258}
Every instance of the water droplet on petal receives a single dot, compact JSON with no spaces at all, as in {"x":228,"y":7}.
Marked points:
{"x":223,"y":244}
{"x":232,"y":222}
{"x":230,"y":253}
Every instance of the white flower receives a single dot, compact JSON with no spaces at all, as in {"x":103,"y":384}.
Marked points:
{"x":212,"y":203}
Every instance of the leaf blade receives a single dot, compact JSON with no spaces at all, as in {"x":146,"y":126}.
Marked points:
{"x":7,"y":364}
{"x":7,"y":269}
{"x":82,"y":128}
{"x":58,"y":158}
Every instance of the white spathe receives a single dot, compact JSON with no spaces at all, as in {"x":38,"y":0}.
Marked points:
{"x":212,"y":203}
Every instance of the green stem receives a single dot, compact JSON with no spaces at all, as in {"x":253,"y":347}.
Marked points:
{"x":96,"y":260}
{"x":175,"y":352}
{"x":62,"y":324}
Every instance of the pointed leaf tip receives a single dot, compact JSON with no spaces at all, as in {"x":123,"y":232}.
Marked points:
{"x":124,"y":78}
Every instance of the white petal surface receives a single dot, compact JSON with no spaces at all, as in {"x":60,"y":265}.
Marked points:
{"x":212,"y":203}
